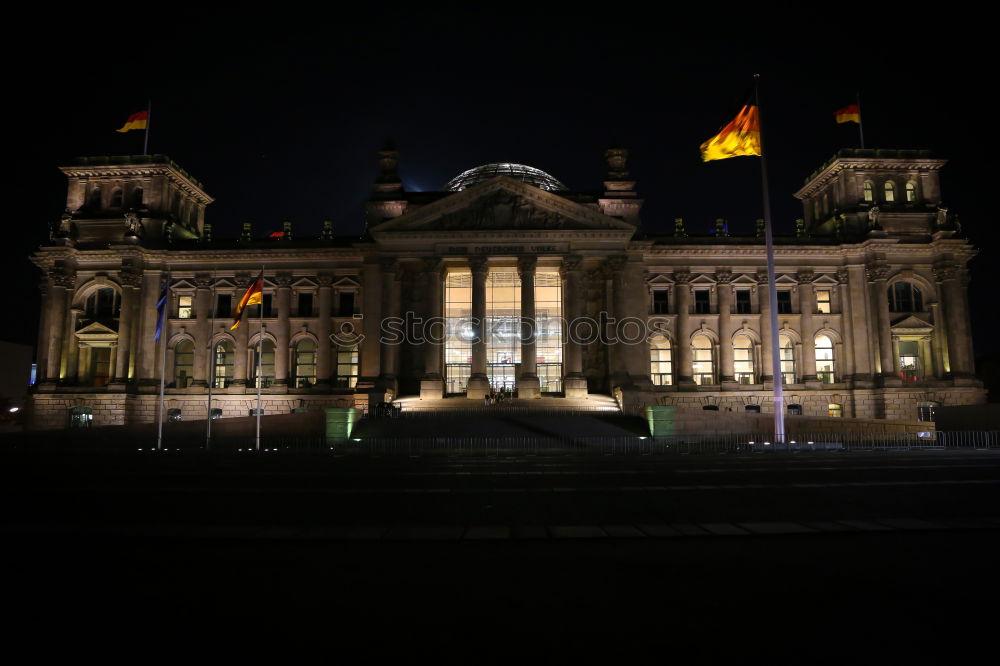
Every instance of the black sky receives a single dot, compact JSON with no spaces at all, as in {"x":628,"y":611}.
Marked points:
{"x":280,"y":115}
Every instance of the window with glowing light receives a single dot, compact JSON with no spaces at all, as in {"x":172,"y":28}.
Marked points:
{"x":183,"y":363}
{"x":660,"y":361}
{"x":702,"y":361}
{"x":824,"y":359}
{"x":743,"y":361}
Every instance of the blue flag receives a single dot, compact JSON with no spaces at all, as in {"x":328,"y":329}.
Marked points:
{"x":161,"y":310}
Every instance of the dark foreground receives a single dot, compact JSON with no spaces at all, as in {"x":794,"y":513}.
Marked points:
{"x":803,"y":557}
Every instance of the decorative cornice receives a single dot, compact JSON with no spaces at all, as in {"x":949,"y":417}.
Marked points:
{"x":876,"y":272}
{"x":526,"y":265}
{"x":723,"y":275}
{"x":821,"y":179}
{"x":682,"y":277}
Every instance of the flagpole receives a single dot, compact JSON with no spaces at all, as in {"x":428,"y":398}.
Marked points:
{"x":149,"y":121}
{"x":861,"y":126}
{"x":260,"y":349}
{"x":772,"y":291}
{"x":163,"y":368}
{"x":211,"y":366}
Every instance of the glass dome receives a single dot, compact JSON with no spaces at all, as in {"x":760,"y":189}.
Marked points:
{"x":522,"y":172}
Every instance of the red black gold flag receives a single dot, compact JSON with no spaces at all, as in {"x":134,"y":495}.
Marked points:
{"x":740,"y":137}
{"x":254,"y":295}
{"x":136,"y":121}
{"x":849,"y":114}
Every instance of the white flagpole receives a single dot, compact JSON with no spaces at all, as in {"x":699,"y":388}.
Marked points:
{"x":772,"y":291}
{"x":260,"y":349}
{"x":211,"y":366}
{"x":163,"y":366}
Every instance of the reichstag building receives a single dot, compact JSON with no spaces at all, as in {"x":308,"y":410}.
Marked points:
{"x":505,"y":279}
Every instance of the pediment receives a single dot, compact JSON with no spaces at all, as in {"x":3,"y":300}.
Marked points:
{"x":304,"y":283}
{"x":346,"y":282}
{"x":786,"y":281}
{"x":224,"y":283}
{"x":825,"y":280}
{"x":502,"y":203}
{"x":96,"y":331}
{"x":744,"y":281}
{"x":660,"y":280}
{"x":912,"y":322}
{"x":182,"y":284}
{"x":703,"y":280}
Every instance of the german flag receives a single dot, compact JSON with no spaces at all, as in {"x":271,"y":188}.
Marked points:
{"x":849,"y":114}
{"x":740,"y":137}
{"x":135,"y":121}
{"x":254,"y":295}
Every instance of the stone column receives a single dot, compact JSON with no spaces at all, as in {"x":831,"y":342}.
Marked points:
{"x":432,"y":383}
{"x":149,"y":369}
{"x":878,"y":275}
{"x":241,"y":351}
{"x":390,"y":309}
{"x":959,"y":341}
{"x":527,"y":381}
{"x":203,"y":310}
{"x":938,"y":341}
{"x":767,"y":353}
{"x":42,"y":343}
{"x":807,"y":306}
{"x":860,"y":323}
{"x":62,"y":289}
{"x":479,"y":383}
{"x":281,"y":333}
{"x":846,"y":326}
{"x":323,"y":355}
{"x":723,"y":278}
{"x":71,"y":348}
{"x":574,"y":381}
{"x":685,"y":370}
{"x":130,"y":294}
{"x":370,"y":352}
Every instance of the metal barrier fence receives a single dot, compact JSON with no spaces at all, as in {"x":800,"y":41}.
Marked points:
{"x":485,"y":445}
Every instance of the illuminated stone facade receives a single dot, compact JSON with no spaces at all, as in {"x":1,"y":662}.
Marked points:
{"x":873,"y":314}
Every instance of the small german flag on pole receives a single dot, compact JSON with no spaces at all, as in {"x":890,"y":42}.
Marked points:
{"x":740,"y":137}
{"x":254,"y":295}
{"x":849,"y":114}
{"x":137,"y":121}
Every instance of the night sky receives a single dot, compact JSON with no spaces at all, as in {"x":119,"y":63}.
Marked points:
{"x":280,"y":117}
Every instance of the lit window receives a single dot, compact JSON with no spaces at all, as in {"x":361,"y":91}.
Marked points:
{"x":823,"y":301}
{"x":784,"y":302}
{"x":743,"y":365}
{"x":264,"y":372}
{"x":183,"y":363}
{"x":660,"y":301}
{"x":743,"y":301}
{"x":925,"y":410}
{"x":660,"y":362}
{"x":890,"y":191}
{"x":224,"y":358}
{"x":869,"y":190}
{"x":911,"y":192}
{"x":347,"y":366}
{"x":905,"y":297}
{"x":702,"y":301}
{"x":835,"y":410}
{"x":909,"y":360}
{"x":795,"y":409}
{"x":786,"y":351}
{"x":305,"y":363}
{"x":824,"y":359}
{"x":702,"y":364}
{"x":184,"y":307}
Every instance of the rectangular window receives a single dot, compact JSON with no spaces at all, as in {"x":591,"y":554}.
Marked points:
{"x":824,"y":299}
{"x":255,"y":310}
{"x":660,"y":301}
{"x":347,"y":367}
{"x":305,"y":305}
{"x":909,"y":360}
{"x":223,"y":305}
{"x":184,"y":307}
{"x":743,"y":301}
{"x":702,"y":302}
{"x":784,"y":302}
{"x":345,"y":307}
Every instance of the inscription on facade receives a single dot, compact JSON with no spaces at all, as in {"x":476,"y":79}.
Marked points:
{"x":557,"y":248}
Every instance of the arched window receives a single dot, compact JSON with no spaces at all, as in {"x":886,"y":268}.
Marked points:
{"x":102,"y":303}
{"x":911,"y":192}
{"x":660,"y":361}
{"x":835,"y":409}
{"x":347,"y":366}
{"x":305,"y":363}
{"x":183,"y":363}
{"x":743,"y":365}
{"x":137,"y":198}
{"x":890,"y":191}
{"x":702,"y":363}
{"x":94,"y":200}
{"x":117,"y":198}
{"x":869,"y":191}
{"x":786,"y":350}
{"x":824,"y":359}
{"x":905,"y":297}
{"x":263,"y":376}
{"x":224,"y":358}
